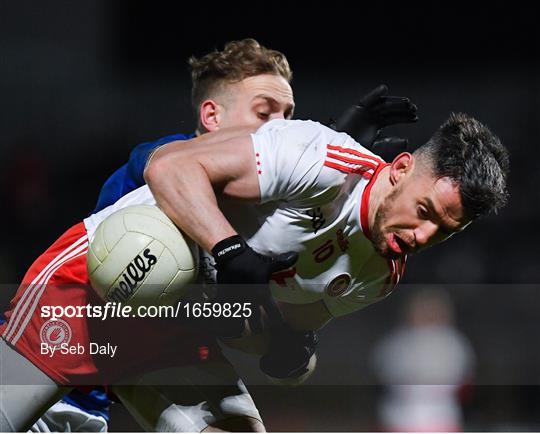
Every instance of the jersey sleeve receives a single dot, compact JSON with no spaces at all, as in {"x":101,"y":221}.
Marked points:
{"x":114,"y":188}
{"x":290,"y":157}
{"x":130,"y":176}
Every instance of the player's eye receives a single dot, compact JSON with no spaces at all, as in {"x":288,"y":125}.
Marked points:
{"x":423,"y":212}
{"x":263,"y":115}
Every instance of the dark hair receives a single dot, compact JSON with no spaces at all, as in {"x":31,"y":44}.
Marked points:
{"x":238,"y":60}
{"x":467,"y":152}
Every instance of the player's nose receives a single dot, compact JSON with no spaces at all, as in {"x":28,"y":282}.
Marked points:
{"x":425,"y":233}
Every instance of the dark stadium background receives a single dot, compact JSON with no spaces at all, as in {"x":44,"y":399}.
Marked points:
{"x":82,"y":82}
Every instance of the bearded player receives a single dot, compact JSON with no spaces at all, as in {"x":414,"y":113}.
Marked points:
{"x":260,"y":95}
{"x":374,"y":214}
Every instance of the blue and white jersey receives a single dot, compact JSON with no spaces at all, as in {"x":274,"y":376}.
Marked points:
{"x":130,"y":176}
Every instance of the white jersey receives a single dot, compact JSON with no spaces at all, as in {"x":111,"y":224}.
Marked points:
{"x":315,"y":186}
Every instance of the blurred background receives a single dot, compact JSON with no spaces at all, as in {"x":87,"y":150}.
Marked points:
{"x":83,"y":82}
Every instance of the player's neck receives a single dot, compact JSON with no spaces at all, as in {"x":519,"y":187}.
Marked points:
{"x":380,"y":189}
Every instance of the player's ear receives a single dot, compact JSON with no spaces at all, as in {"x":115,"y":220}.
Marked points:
{"x":209,"y":115}
{"x":401,"y":166}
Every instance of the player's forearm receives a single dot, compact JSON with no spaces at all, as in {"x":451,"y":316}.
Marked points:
{"x":183,"y":191}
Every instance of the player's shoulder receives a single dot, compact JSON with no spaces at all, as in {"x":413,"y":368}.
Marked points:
{"x":308,"y":131}
{"x":297,"y":127}
{"x":295,"y":136}
{"x":142,"y":147}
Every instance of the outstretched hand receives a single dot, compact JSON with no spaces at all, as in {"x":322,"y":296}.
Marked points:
{"x":375,"y":111}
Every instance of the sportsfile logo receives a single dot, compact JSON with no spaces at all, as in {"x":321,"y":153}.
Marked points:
{"x":134,"y":273}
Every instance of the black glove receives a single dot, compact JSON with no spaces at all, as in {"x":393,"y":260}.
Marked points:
{"x":289,"y":353}
{"x":389,"y":148}
{"x":243,"y":276}
{"x":375,"y":111}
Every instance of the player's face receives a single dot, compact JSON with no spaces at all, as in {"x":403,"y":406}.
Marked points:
{"x":255,"y":101}
{"x":419,"y":212}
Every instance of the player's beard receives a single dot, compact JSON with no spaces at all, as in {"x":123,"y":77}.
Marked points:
{"x":378,"y":238}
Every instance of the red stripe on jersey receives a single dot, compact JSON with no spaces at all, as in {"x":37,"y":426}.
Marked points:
{"x":359,"y":162}
{"x":347,"y":169}
{"x":352,"y":151}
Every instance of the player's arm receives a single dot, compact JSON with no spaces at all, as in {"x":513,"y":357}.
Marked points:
{"x":130,"y":176}
{"x":184,"y":180}
{"x":184,"y":177}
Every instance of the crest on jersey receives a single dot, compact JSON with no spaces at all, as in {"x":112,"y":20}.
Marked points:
{"x":338,"y":285}
{"x":55,"y":332}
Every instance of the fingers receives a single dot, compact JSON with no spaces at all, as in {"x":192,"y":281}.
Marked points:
{"x":395,"y":142}
{"x":283,"y":261}
{"x":393,"y":104}
{"x":390,"y":147}
{"x":399,"y":118}
{"x":388,"y":110}
{"x":373,"y":95}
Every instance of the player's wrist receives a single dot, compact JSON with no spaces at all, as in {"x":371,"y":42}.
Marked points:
{"x":229,"y":248}
{"x":238,"y":263}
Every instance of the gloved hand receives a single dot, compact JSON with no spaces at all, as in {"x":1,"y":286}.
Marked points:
{"x":289,"y":354}
{"x":389,"y":148}
{"x":243,"y":276}
{"x":375,"y":111}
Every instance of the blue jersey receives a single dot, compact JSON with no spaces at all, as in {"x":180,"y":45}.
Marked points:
{"x":94,"y":402}
{"x":130,"y":176}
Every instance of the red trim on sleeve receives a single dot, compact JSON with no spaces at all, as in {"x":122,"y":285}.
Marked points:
{"x":352,"y":151}
{"x":354,"y":160}
{"x":347,"y":169}
{"x":349,"y":160}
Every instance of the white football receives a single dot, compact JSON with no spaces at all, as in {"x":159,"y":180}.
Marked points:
{"x":137,"y":256}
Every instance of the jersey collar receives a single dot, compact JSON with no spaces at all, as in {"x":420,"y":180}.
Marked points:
{"x":364,"y":207}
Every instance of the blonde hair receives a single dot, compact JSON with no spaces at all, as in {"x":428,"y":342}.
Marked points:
{"x":238,"y":61}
